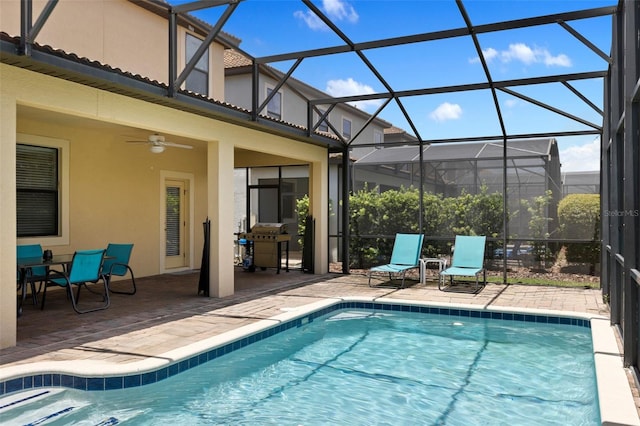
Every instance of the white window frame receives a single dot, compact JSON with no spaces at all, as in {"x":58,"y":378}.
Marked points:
{"x":63,"y":175}
{"x":378,"y":138}
{"x":204,"y":59}
{"x":344,"y":135}
{"x":190,"y":178}
{"x":324,"y":124}
{"x":266,"y":94}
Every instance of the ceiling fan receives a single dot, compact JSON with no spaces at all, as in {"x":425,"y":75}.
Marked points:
{"x":157,"y":144}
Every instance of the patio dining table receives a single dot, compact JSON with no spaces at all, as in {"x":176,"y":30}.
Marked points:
{"x":26,"y":263}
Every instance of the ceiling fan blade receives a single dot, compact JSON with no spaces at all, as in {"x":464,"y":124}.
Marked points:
{"x":177,"y":145}
{"x":137,"y":141}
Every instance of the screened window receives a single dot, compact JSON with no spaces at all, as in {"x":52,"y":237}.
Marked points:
{"x":323,"y":126}
{"x":198,"y":79}
{"x":274,"y":108}
{"x":37,"y":193}
{"x":378,"y":138}
{"x":346,"y":128}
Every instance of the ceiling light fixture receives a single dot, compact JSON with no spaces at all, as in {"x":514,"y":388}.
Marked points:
{"x":156,"y":149}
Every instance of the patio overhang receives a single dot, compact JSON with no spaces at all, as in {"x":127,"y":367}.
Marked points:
{"x":69,"y":67}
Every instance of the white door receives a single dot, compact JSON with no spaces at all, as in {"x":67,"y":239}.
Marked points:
{"x":176,"y":224}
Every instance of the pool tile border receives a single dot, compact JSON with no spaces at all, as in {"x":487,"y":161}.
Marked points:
{"x":148,"y":377}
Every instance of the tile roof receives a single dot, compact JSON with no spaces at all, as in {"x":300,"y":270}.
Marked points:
{"x":235,"y":59}
{"x":117,"y":85}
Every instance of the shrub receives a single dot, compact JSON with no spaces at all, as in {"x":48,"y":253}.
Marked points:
{"x":579,"y":217}
{"x":374,"y":216}
{"x":539,"y":222}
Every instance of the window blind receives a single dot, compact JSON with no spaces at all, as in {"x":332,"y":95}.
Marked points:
{"x":37,"y":197}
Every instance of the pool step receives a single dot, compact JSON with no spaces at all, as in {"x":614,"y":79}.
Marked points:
{"x":23,"y":398}
{"x":109,"y":422}
{"x":37,"y":407}
{"x":52,"y":416}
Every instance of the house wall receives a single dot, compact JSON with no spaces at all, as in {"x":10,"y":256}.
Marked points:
{"x":117,"y":197}
{"x":294,"y":107}
{"x":113,"y":32}
{"x":114,"y":187}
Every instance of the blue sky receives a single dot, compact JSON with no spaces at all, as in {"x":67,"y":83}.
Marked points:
{"x":269,"y":27}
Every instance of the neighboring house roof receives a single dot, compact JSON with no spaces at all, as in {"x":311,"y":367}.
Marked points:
{"x":393,"y":130}
{"x":581,"y":178}
{"x":236,"y":63}
{"x":461,"y":151}
{"x":396,"y":134}
{"x":235,"y":59}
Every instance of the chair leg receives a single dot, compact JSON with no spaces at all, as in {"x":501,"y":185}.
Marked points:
{"x":74,"y":301}
{"x":44,"y":295}
{"x":133,"y":282}
{"x":78,"y":292}
{"x":34,"y":295}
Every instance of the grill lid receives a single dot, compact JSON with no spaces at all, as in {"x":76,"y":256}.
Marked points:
{"x":269,"y":228}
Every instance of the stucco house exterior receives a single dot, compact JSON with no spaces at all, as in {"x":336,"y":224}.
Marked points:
{"x":97,"y":77}
{"x":289,"y":104}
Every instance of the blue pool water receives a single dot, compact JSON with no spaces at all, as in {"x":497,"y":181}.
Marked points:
{"x":359,"y":367}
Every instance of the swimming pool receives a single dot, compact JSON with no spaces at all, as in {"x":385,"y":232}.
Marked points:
{"x":471,"y":358}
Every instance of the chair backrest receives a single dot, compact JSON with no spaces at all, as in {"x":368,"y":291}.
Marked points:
{"x":406,"y":249}
{"x":85,"y":266}
{"x":469,"y":251}
{"x":120,"y":254}
{"x":29,"y":251}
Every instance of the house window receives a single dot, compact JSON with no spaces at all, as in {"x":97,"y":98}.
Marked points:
{"x":274,"y":108}
{"x":324,"y":125}
{"x":198,"y":79}
{"x":37,"y":191}
{"x":346,"y":128}
{"x":41,"y":161}
{"x":378,"y":138}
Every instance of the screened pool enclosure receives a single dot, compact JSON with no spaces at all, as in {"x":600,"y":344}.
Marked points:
{"x":531,"y":168}
{"x":503,"y":181}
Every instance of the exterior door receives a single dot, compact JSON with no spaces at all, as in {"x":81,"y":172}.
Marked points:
{"x":175,"y":229}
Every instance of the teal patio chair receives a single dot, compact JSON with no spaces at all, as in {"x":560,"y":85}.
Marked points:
{"x":85,"y":268}
{"x":468,"y":260}
{"x":405,"y":256}
{"x":36,"y":274}
{"x":116,"y":263}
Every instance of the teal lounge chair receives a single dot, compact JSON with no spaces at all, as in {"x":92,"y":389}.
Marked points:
{"x":85,"y":268}
{"x":37,"y":274}
{"x":116,"y":263}
{"x":468,"y":260}
{"x":405,"y":256}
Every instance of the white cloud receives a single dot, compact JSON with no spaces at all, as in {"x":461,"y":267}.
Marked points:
{"x":488,"y":54}
{"x":519,"y":52}
{"x":350,"y":87}
{"x":446,"y":111}
{"x":336,"y":10}
{"x":561,"y":60}
{"x":528,"y":55}
{"x":340,"y":10}
{"x":511,"y":103}
{"x":311,"y":19}
{"x":581,"y":157}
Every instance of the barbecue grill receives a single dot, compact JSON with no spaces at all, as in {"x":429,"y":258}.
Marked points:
{"x":265,"y":245}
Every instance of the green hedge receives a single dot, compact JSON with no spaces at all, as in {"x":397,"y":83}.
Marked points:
{"x":373,"y":214}
{"x":579,"y":218}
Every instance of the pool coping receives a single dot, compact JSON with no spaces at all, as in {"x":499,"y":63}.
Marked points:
{"x":616,"y":402}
